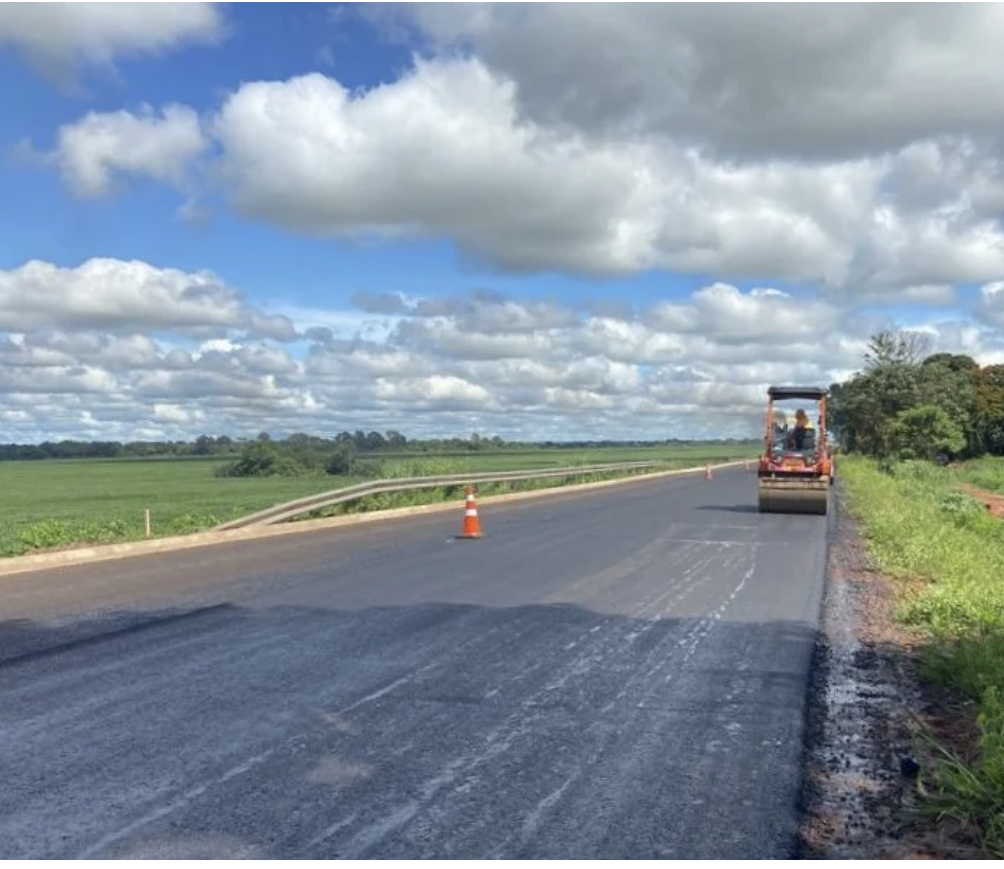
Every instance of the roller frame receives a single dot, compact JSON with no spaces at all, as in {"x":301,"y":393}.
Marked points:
{"x":789,"y":489}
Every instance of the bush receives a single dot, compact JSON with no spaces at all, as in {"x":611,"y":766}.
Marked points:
{"x":261,"y":459}
{"x":341,"y":462}
{"x":55,"y":533}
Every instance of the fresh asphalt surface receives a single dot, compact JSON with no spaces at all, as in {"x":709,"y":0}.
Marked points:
{"x":614,"y":674}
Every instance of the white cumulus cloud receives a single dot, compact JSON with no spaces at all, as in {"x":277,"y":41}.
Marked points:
{"x":816,"y":81}
{"x":119,"y":295}
{"x":446,"y":152}
{"x":696,"y":366}
{"x":95,"y":149}
{"x":58,"y":37}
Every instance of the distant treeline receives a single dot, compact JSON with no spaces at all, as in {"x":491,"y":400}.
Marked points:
{"x":354,"y":442}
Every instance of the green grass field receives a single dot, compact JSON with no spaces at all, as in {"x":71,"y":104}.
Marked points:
{"x":948,"y":552}
{"x":54,"y":504}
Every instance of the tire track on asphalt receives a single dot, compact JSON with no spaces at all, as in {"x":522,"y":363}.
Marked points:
{"x":613,"y":635}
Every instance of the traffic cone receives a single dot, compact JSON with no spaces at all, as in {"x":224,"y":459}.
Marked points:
{"x":707,"y":472}
{"x":472,"y":525}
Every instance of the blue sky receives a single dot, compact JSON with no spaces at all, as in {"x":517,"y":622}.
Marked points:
{"x":564,"y":182}
{"x":266,"y":42}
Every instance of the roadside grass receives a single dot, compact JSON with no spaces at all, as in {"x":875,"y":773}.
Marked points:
{"x":986,"y":474}
{"x":948,"y":552}
{"x":56,"y":504}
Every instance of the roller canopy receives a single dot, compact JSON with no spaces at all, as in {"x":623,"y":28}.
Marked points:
{"x":810,"y":392}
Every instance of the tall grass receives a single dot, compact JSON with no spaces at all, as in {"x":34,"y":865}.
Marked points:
{"x":987,"y":473}
{"x":400,"y":469}
{"x":919,"y":527}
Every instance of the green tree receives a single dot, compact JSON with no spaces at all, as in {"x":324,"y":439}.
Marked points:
{"x":923,"y":432}
{"x":203,"y":446}
{"x":990,"y":409}
{"x":396,"y":440}
{"x":342,"y":461}
{"x":867,"y":404}
{"x":375,"y":441}
{"x":949,"y":381}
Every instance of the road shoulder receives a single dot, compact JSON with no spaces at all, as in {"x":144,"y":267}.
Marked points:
{"x":860,"y":795}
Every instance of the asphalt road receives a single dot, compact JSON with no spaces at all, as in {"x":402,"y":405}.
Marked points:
{"x":620,"y":674}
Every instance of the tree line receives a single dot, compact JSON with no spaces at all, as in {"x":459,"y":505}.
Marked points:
{"x":300,"y":443}
{"x":224,"y":445}
{"x":907,"y":403}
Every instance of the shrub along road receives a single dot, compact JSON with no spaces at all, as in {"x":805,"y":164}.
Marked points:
{"x":615,"y":674}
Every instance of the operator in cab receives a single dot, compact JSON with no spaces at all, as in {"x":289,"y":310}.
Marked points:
{"x":797,"y":439}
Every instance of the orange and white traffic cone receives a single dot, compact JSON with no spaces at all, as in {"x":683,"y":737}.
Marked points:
{"x":472,"y":525}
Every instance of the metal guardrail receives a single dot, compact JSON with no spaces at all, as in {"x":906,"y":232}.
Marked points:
{"x":281,"y":512}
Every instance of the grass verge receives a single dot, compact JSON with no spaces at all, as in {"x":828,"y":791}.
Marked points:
{"x":987,"y":474}
{"x":947,"y":553}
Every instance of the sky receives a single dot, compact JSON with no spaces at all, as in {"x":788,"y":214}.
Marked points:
{"x":542,"y":221}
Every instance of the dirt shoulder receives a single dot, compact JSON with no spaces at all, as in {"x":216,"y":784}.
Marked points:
{"x":860,"y":795}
